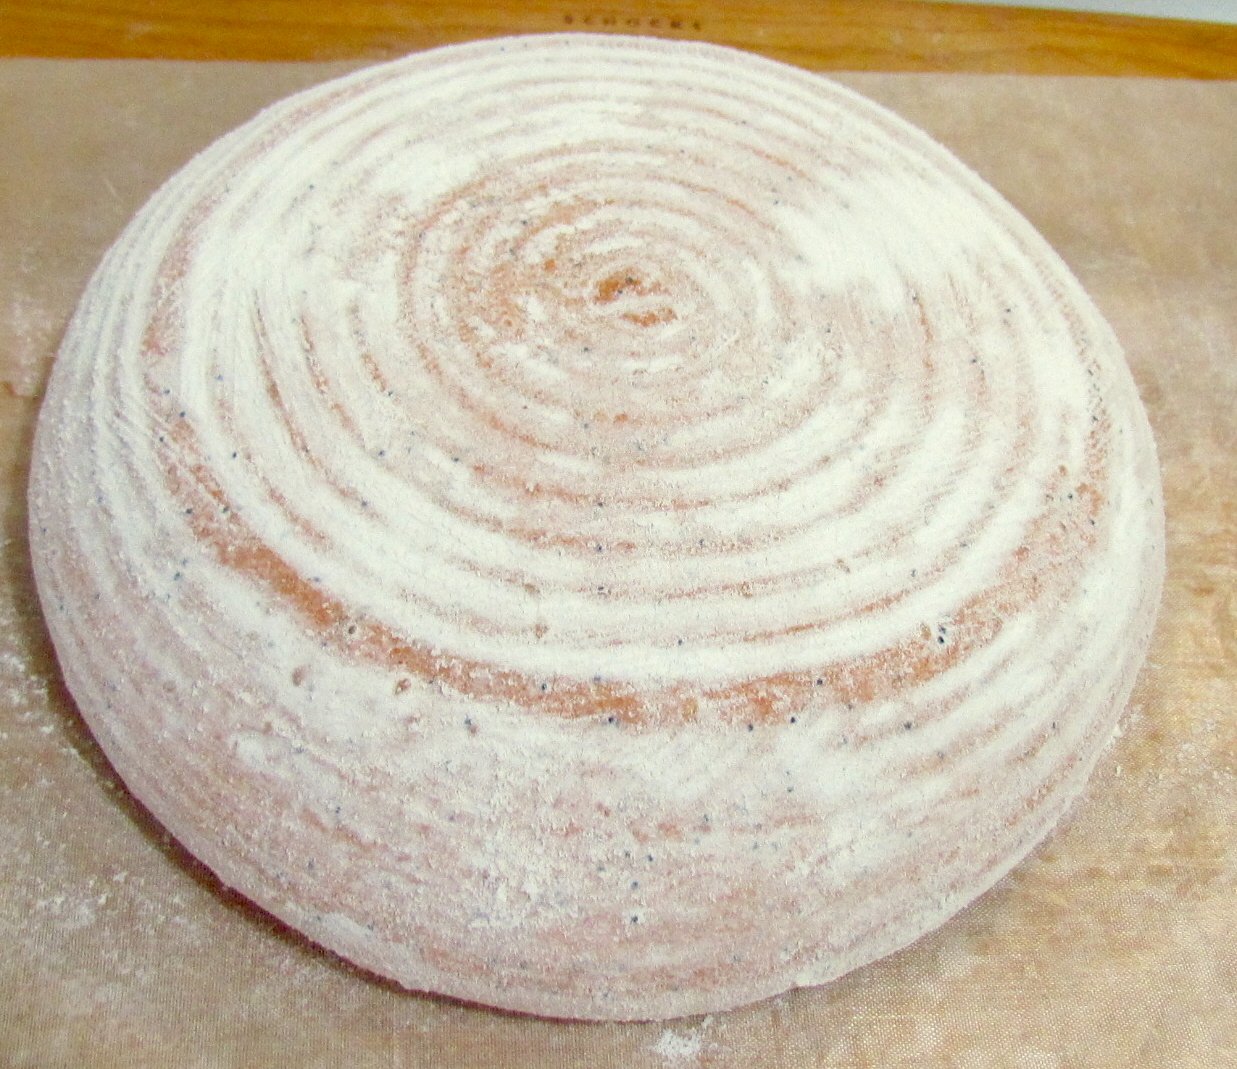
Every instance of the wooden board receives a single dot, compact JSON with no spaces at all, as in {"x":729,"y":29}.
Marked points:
{"x":1110,"y":947}
{"x":909,"y":35}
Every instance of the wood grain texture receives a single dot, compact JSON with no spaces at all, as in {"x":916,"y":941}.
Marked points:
{"x":893,"y":35}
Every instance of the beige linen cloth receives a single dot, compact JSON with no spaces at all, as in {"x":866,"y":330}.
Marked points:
{"x":1111,"y":946}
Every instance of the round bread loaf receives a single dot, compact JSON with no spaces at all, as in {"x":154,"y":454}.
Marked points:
{"x":595,"y":526}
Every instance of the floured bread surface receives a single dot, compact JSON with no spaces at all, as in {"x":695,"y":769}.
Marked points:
{"x":595,"y":526}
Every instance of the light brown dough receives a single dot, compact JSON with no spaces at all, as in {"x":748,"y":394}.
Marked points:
{"x":595,"y":526}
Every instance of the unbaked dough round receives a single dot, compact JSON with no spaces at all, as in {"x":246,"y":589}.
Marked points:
{"x":595,"y":526}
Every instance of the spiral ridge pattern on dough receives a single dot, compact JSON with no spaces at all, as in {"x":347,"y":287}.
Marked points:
{"x":603,"y":426}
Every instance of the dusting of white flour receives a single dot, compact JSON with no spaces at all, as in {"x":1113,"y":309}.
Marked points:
{"x":679,"y":1047}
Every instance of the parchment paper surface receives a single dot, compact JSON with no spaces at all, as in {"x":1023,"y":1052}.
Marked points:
{"x":1111,"y":946}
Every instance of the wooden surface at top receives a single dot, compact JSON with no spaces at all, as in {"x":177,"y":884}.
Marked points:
{"x":888,"y":35}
